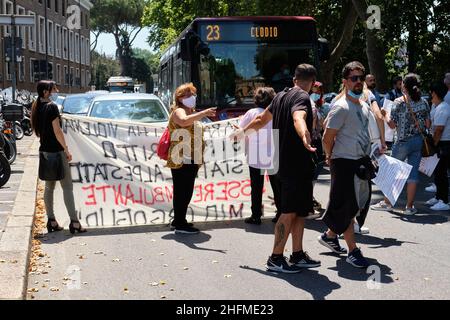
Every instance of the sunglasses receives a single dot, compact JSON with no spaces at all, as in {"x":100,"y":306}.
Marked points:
{"x":355,"y":78}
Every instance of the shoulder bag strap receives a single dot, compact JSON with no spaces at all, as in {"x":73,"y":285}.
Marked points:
{"x":414,"y":116}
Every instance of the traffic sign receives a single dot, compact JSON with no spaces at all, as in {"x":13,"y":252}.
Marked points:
{"x":19,"y":20}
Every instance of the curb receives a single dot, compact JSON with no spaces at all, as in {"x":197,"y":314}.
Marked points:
{"x":15,"y":243}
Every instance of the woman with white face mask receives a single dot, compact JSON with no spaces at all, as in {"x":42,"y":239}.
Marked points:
{"x":185,"y":152}
{"x":46,"y":123}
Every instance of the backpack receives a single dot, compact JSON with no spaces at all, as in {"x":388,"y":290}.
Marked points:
{"x":163,"y":146}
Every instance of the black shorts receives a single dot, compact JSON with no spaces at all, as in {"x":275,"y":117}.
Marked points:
{"x":296,"y":196}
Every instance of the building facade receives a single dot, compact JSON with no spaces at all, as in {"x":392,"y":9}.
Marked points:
{"x":56,"y":47}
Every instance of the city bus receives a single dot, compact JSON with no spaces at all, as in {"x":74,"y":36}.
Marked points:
{"x":120,"y":84}
{"x":228,"y":58}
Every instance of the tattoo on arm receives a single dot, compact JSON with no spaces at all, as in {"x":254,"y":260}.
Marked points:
{"x":281,"y":232}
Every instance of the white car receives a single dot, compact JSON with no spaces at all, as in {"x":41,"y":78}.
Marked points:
{"x":136,"y":107}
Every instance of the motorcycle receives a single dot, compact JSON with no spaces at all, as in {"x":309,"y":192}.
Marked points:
{"x":9,"y":146}
{"x":18,"y":130}
{"x":26,"y":122}
{"x":5,"y":167}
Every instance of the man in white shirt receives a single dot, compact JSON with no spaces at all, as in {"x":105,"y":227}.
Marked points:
{"x":441,"y":137}
{"x":447,"y":82}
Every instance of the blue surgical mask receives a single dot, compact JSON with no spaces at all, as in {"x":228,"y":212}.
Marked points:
{"x":315,"y":97}
{"x":354,"y":95}
{"x":54,"y":96}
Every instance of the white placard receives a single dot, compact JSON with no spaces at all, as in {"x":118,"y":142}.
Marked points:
{"x":388,"y":132}
{"x":428,"y":165}
{"x":391,"y":177}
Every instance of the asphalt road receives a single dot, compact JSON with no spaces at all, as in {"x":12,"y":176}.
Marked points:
{"x":410,"y":258}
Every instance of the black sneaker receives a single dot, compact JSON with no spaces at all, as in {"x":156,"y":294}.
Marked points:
{"x":281,"y":265}
{"x":332,"y":244}
{"x":253,"y":220}
{"x":316,"y":205}
{"x":356,"y":259}
{"x":173,"y":227}
{"x":186,"y":229}
{"x":304,"y":261}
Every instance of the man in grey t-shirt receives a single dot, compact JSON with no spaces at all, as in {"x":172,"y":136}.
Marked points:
{"x":346,"y":144}
{"x":349,"y":118}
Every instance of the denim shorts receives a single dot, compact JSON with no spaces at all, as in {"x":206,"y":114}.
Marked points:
{"x":410,"y":150}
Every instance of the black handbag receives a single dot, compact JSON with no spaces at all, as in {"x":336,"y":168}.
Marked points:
{"x":51,"y":167}
{"x":366,"y":170}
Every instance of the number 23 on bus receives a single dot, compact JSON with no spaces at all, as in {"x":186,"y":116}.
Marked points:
{"x":214,"y":32}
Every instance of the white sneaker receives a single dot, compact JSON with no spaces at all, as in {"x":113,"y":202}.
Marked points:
{"x":381,"y":206}
{"x":410,"y":211}
{"x":431,"y":188}
{"x":440,"y":206}
{"x":432,"y":202}
{"x":360,"y":230}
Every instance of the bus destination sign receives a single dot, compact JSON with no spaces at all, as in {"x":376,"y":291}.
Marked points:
{"x":249,"y":32}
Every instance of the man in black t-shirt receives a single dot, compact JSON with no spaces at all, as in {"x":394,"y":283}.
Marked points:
{"x":292,"y":116}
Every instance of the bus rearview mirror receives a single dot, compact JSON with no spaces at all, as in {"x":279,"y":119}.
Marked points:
{"x":185,"y":49}
{"x":324,"y":49}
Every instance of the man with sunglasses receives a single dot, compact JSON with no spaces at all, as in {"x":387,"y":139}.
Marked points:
{"x":347,"y":147}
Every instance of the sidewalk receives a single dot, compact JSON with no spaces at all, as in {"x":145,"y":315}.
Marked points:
{"x":15,"y":240}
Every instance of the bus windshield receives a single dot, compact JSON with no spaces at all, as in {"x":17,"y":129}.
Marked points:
{"x":231,"y":72}
{"x":126,"y":89}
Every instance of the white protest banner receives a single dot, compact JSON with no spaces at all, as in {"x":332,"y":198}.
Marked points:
{"x":388,"y":132}
{"x":120,"y":181}
{"x":391,"y":177}
{"x":428,"y":165}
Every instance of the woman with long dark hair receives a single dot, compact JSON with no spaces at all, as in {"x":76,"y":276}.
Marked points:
{"x":46,"y":123}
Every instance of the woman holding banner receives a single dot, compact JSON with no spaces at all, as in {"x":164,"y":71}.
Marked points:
{"x":259,"y":152}
{"x":185,"y":152}
{"x":46,"y":123}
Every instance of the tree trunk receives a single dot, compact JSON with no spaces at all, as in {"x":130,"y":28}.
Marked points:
{"x":376,"y":58}
{"x":374,"y":49}
{"x":119,"y":53}
{"x":412,"y":45}
{"x":349,"y":22}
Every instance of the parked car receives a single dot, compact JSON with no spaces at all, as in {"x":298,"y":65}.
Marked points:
{"x":138,"y":107}
{"x":59,"y":102}
{"x":78,"y":104}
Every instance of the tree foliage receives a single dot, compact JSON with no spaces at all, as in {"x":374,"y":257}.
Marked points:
{"x":103,"y":67}
{"x":122,"y":19}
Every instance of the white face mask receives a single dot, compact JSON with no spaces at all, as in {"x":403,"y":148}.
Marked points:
{"x":54,"y":96}
{"x":189,"y":102}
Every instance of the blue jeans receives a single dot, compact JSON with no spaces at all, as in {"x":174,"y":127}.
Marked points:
{"x":410,"y":150}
